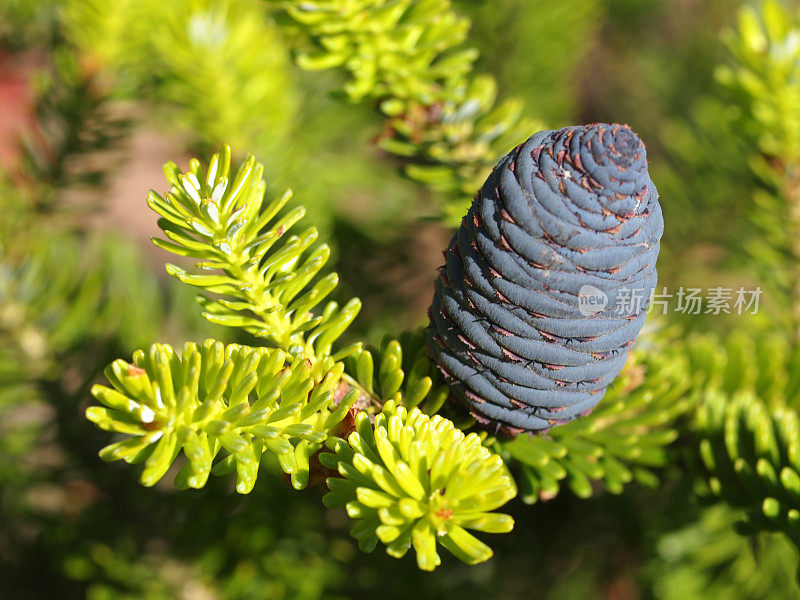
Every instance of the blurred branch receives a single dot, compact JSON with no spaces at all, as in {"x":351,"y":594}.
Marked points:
{"x":764,"y":88}
{"x":445,"y":123}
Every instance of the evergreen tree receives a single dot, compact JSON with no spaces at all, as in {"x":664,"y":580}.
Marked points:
{"x":668,"y":469}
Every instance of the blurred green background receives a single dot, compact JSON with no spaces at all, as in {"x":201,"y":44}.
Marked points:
{"x":95,"y":96}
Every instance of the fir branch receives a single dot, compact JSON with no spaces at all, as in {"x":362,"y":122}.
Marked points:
{"x":745,"y":430}
{"x":74,"y":121}
{"x":243,"y":92}
{"x":400,"y":371}
{"x":64,"y":308}
{"x":244,"y":402}
{"x":413,"y":480}
{"x":748,"y":423}
{"x":66,"y":296}
{"x":707,"y":559}
{"x":622,"y":440}
{"x":266,"y":285}
{"x":764,"y":87}
{"x":394,"y":51}
{"x":752,"y":459}
{"x":452,"y":145}
{"x":763,"y":365}
{"x":243,"y":54}
{"x":239,"y":399}
{"x":445,"y":122}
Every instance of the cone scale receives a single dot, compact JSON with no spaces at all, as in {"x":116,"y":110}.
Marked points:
{"x":547,"y":281}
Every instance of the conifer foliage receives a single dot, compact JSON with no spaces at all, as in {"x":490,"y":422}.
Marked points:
{"x":220,"y":219}
{"x":445,"y":121}
{"x":418,"y":480}
{"x":244,"y":401}
{"x":515,"y":391}
{"x":289,"y":397}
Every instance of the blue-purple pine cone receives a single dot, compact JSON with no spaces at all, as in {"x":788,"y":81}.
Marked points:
{"x":547,"y":281}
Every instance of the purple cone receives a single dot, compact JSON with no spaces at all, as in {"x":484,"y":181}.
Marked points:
{"x":547,"y":281}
